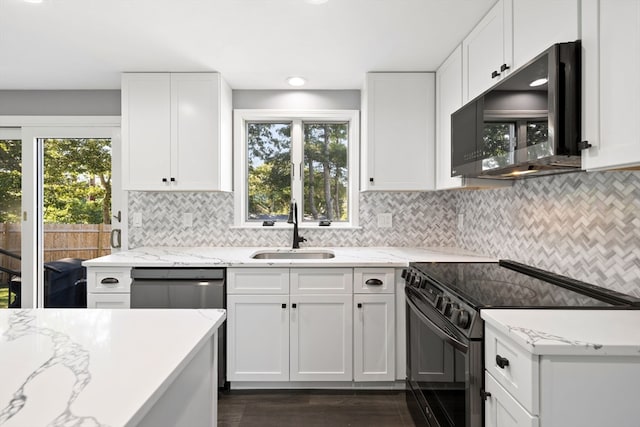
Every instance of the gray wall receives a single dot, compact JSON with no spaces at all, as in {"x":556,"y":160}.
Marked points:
{"x":297,"y":99}
{"x":59,"y":102}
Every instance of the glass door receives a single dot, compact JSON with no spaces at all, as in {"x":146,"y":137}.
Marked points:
{"x":72,"y":214}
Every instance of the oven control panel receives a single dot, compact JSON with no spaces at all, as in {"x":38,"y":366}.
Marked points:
{"x":459,"y":313}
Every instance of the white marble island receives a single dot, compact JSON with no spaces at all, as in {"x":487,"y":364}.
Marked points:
{"x":64,"y":367}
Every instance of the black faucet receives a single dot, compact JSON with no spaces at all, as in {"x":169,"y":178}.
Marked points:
{"x":293,"y":218}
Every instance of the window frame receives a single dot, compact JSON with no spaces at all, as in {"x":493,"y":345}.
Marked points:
{"x":297,"y":118}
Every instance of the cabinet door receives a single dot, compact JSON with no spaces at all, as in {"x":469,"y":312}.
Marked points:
{"x":321,"y":338}
{"x":258,"y":338}
{"x":611,"y":88}
{"x":373,"y":337}
{"x":104,"y":300}
{"x":399,"y":132}
{"x":448,"y":100}
{"x":486,"y":49}
{"x":559,"y":18}
{"x":502,"y":410}
{"x":195,"y":131}
{"x":146,"y":125}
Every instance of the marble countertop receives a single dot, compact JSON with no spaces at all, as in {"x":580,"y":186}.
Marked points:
{"x":570,"y":332}
{"x":241,"y":257}
{"x":66,"y":367}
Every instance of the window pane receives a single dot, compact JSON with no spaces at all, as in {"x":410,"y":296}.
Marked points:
{"x":269,"y":171}
{"x":325,"y":171}
{"x":538,"y":140}
{"x":498,"y":145}
{"x":10,"y":224}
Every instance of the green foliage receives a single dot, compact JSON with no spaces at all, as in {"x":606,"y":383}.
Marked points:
{"x":10,"y":180}
{"x":77,"y":181}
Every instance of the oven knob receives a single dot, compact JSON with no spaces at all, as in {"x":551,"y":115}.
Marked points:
{"x":464,"y":319}
{"x":448,"y":309}
{"x":409,"y":278}
{"x":438,"y":301}
{"x":417,"y":281}
{"x":404,"y":273}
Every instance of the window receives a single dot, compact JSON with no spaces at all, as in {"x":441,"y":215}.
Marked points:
{"x":308,"y":157}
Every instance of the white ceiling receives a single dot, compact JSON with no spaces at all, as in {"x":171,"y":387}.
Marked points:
{"x":255,"y":44}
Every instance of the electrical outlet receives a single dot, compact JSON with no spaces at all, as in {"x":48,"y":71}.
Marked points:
{"x":460,"y":221}
{"x":187,"y":219}
{"x":137,"y":219}
{"x":385,"y":220}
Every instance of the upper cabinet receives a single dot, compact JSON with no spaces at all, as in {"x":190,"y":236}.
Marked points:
{"x":448,"y":100}
{"x":511,"y":34}
{"x":487,"y":51}
{"x":176,"y":132}
{"x":611,"y":88}
{"x":398,"y":132}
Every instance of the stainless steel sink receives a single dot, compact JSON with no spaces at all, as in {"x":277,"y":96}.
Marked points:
{"x":293,"y":254}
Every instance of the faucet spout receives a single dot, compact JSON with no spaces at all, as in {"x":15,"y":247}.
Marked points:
{"x":293,"y":215}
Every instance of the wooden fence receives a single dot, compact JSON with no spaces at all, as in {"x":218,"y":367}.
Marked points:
{"x":60,"y":241}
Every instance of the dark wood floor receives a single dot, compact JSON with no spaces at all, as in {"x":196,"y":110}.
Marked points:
{"x":308,"y":408}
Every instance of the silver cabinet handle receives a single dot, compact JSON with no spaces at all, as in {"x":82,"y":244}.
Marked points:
{"x":116,"y":238}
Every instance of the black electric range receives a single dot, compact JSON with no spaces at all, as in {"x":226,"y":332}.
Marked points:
{"x":445,"y":349}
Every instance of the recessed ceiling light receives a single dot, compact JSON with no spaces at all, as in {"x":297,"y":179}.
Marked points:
{"x":538,"y":82}
{"x":316,"y":1}
{"x":296,"y":81}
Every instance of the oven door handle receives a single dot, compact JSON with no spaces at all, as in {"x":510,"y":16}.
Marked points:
{"x":437,"y":329}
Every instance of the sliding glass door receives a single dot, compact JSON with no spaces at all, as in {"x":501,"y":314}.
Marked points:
{"x":72,"y":209}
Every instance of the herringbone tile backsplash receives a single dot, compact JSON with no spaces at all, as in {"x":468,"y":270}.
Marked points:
{"x":419,"y":219}
{"x":584,"y":225}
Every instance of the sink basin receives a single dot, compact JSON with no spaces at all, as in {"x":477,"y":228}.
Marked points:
{"x":293,"y":254}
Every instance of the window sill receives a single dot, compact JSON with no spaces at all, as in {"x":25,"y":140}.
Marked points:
{"x":300,"y":227}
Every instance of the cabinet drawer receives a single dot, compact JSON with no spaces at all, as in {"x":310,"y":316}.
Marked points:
{"x":109,"y":300}
{"x":321,"y":281}
{"x":373,"y":280}
{"x":514,"y":368}
{"x":501,"y":409}
{"x":108,"y":280}
{"x":257,"y":281}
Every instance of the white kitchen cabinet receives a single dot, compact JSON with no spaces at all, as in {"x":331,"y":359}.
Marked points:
{"x":538,"y":24}
{"x":374,"y":337}
{"x":108,"y":300}
{"x":510,"y":35}
{"x":297,"y":325}
{"x":401,"y":327}
{"x":258,"y":337}
{"x":108,"y":287}
{"x":611,"y":88}
{"x":374,"y":323}
{"x":398,"y":132}
{"x":448,"y":100}
{"x":321,"y":338}
{"x":176,"y":132}
{"x":569,"y":390}
{"x":502,"y":410}
{"x":487,"y":51}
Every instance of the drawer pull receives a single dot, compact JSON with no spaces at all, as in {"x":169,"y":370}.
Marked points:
{"x":502,"y":362}
{"x":284,"y":305}
{"x":374,"y":282}
{"x":109,"y":281}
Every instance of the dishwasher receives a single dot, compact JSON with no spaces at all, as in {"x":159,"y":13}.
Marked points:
{"x":183,"y":288}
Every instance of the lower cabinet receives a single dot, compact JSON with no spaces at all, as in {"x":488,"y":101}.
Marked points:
{"x":108,"y":287}
{"x":503,"y":410}
{"x":258,"y":337}
{"x":321,"y":338}
{"x":318,"y":331}
{"x":373,"y":337}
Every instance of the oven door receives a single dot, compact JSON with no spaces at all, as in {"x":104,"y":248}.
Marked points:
{"x":444,"y":368}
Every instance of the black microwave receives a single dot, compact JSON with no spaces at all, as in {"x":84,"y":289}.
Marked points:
{"x":526,"y":125}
